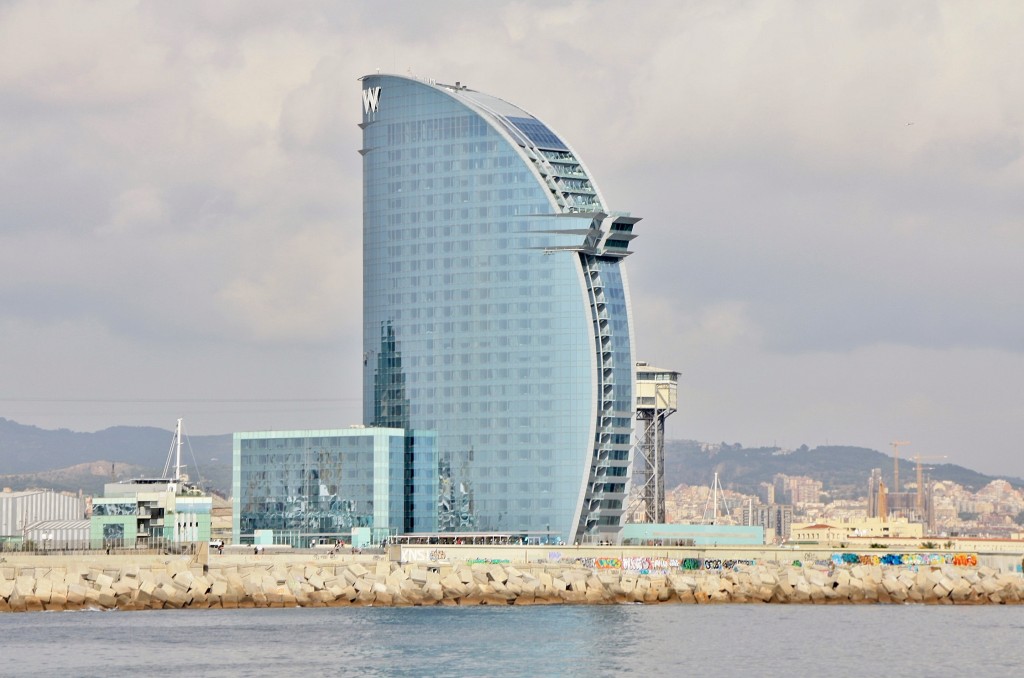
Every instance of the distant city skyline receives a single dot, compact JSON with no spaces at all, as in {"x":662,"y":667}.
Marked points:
{"x":181,"y":206}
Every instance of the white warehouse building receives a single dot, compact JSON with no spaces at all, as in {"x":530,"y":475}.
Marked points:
{"x":21,"y":513}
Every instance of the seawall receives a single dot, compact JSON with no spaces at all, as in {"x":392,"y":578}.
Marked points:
{"x":158,"y":582}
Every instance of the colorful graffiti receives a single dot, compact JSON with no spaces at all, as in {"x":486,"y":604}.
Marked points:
{"x":658,"y":565}
{"x":958,"y":559}
{"x":488,"y":561}
{"x":645,"y":565}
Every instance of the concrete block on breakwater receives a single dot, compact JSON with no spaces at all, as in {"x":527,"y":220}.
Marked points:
{"x":184,"y":584}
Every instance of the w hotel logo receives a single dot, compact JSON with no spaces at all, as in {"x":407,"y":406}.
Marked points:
{"x":371,"y":97}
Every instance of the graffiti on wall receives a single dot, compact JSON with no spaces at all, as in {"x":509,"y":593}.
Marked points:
{"x":958,"y":559}
{"x":658,"y":565}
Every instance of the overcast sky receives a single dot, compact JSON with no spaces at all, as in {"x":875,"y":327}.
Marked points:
{"x":831,"y":251}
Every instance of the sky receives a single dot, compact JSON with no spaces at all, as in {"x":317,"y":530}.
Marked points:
{"x":832,"y":194}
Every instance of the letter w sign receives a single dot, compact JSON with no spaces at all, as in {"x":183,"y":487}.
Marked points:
{"x":371,"y":97}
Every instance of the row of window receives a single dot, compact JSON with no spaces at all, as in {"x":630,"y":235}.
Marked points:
{"x":312,"y":447}
{"x":449,"y":184}
{"x":505,"y":404}
{"x":486,"y":378}
{"x":461,"y":287}
{"x":481,"y":219}
{"x":413,"y":205}
{"x":402,"y":162}
{"x":434,"y":295}
{"x":441,"y":355}
{"x":265,"y":468}
{"x":407,"y":153}
{"x":435,"y":129}
{"x":463,"y":230}
{"x":395,"y":200}
{"x":655,"y":376}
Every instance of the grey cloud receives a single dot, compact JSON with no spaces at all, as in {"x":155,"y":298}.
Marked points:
{"x":181,"y":193}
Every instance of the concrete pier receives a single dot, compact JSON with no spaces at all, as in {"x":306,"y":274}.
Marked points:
{"x":288,"y":580}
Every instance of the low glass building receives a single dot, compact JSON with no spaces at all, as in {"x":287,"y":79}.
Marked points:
{"x":317,"y":485}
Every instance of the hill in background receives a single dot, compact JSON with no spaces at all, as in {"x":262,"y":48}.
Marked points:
{"x":843,"y":471}
{"x":72,"y":461}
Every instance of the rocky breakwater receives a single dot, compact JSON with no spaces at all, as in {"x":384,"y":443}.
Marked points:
{"x":179,"y":584}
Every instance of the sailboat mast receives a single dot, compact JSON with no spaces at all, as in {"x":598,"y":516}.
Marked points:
{"x":177,"y":461}
{"x":715,"y":491}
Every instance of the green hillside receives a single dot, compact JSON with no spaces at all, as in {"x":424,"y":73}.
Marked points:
{"x":69,"y":460}
{"x":843,"y":470}
{"x":72,"y":461}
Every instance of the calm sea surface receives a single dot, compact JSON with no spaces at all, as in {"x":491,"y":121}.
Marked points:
{"x":723,"y":640}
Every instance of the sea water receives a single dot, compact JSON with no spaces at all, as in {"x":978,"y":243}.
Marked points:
{"x":559,"y":640}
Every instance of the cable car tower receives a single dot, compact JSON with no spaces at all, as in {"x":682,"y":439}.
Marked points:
{"x":656,"y":399}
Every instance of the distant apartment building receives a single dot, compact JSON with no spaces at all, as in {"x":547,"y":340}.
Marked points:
{"x":775,"y":519}
{"x":797,"y":489}
{"x":805,"y":490}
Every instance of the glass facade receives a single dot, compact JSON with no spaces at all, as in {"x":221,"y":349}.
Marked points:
{"x":321,"y":484}
{"x":496,"y":310}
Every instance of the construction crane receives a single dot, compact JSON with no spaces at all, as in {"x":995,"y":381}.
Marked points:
{"x":920,"y":497}
{"x":896,"y":463}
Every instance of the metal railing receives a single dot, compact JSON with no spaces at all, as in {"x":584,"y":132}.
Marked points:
{"x":88,"y":547}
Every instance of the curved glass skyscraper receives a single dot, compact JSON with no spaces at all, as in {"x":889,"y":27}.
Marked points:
{"x":496,"y":310}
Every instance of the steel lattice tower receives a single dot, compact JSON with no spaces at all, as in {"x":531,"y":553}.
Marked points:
{"x":656,"y":399}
